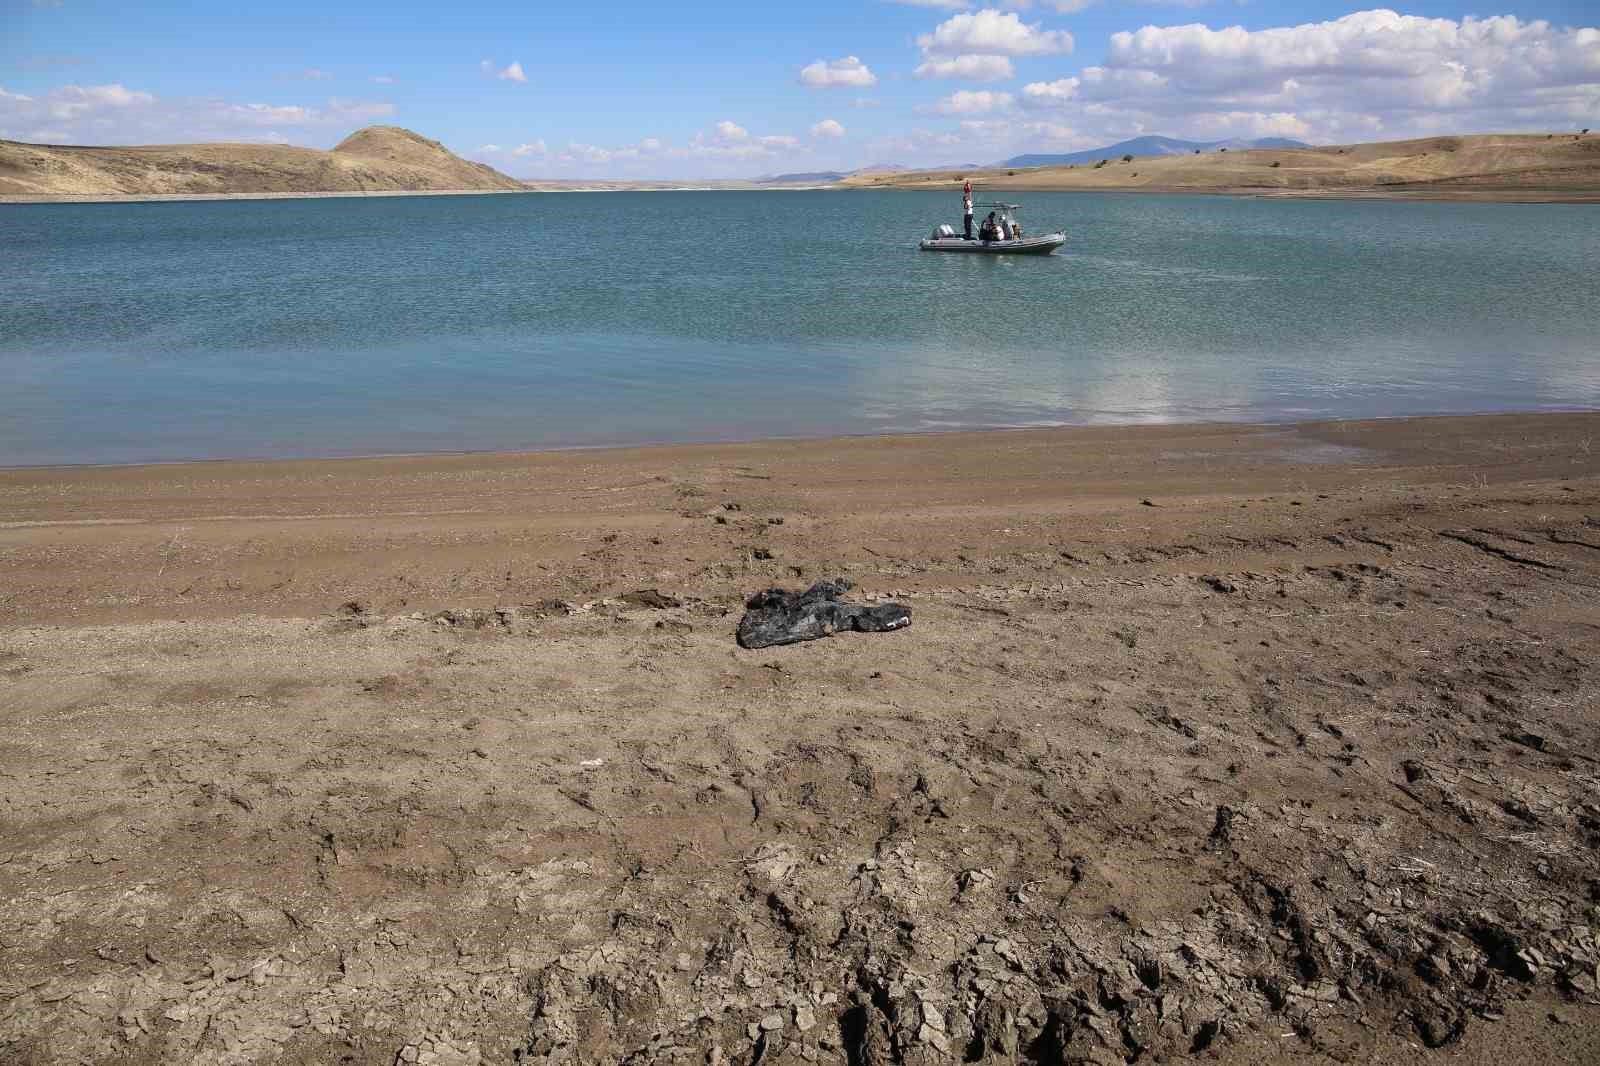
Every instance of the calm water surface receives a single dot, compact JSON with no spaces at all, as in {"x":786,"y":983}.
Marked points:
{"x":142,"y":332}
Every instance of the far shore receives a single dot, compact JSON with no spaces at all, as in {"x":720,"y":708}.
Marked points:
{"x":1513,"y":195}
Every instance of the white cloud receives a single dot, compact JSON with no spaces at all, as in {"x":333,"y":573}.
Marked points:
{"x":970,"y":102}
{"x":967,"y":68}
{"x":828,"y":128}
{"x":835,"y":73}
{"x":726,"y":132}
{"x":990,"y":32}
{"x":1369,"y":75}
{"x":531,"y":148}
{"x":115,"y":114}
{"x":513,"y":72}
{"x":1050,"y":93}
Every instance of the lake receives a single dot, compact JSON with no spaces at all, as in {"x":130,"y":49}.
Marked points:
{"x":322,"y":327}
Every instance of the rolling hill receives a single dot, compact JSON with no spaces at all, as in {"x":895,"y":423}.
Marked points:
{"x":1514,"y":166}
{"x":1145,"y":146}
{"x":375,"y":159}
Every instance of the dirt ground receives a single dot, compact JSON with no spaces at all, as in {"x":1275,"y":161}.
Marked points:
{"x":1223,"y":744}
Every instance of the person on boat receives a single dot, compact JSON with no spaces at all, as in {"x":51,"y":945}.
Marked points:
{"x":990,"y":230}
{"x":966,"y":207}
{"x":1003,"y":228}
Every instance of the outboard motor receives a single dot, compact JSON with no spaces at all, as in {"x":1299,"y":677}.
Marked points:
{"x":944,"y":231}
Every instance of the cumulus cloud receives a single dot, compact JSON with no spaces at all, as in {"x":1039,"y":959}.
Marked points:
{"x":115,"y":114}
{"x":837,"y":73}
{"x":966,"y":68}
{"x":991,"y":32}
{"x":512,"y":72}
{"x":1369,"y":75}
{"x":828,"y":128}
{"x":970,"y":102}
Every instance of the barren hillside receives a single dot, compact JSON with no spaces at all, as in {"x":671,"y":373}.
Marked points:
{"x":375,"y":159}
{"x":1488,"y":166}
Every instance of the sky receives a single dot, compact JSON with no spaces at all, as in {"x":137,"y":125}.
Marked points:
{"x":636,"y":89}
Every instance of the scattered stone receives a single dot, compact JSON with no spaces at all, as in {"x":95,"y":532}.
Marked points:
{"x":1220,"y":584}
{"x":651,"y":599}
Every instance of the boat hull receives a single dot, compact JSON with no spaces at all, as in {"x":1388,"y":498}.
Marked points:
{"x":1043,"y":244}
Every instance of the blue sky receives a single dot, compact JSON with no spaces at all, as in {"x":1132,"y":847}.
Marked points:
{"x":637,"y":89}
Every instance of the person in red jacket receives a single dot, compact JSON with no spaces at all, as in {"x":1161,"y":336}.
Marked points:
{"x":966,"y":207}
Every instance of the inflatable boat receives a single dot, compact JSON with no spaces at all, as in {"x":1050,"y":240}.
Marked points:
{"x":1002,"y":242}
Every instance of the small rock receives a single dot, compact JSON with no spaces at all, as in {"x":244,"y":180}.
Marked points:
{"x":804,"y":1018}
{"x":771,"y":1023}
{"x":650,"y":598}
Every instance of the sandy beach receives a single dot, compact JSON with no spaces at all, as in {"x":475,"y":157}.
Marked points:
{"x":1234,"y":743}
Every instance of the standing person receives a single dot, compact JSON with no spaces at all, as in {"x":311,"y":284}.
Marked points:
{"x":966,"y":207}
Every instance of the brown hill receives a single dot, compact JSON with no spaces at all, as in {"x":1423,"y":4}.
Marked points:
{"x":376,"y":159}
{"x":1538,"y":166}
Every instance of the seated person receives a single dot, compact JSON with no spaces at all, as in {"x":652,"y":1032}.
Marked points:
{"x":989,"y":231}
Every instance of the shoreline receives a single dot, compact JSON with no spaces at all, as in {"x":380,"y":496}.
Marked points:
{"x":646,"y":446}
{"x":1523,"y":195}
{"x":1251,"y":742}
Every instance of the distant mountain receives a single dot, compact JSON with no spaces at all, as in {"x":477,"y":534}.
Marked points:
{"x":815,"y":177}
{"x":878,"y":168}
{"x":1146,"y":146}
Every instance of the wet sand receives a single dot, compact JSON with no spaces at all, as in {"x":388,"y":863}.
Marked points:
{"x":1250,"y":744}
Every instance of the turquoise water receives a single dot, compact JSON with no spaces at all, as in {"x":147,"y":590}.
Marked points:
{"x":161,"y":331}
